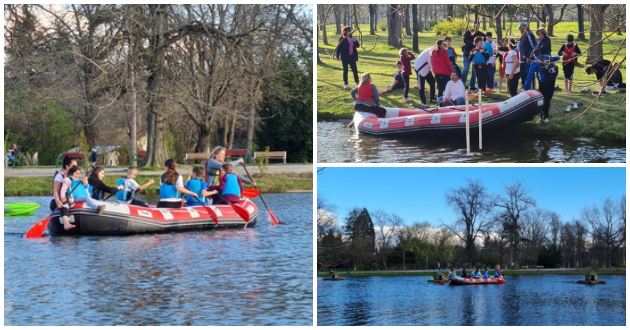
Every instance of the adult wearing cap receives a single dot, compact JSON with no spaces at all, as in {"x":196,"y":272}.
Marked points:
{"x":526,"y":48}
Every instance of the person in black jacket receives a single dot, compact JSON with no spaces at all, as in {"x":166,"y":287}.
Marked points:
{"x":526,"y":48}
{"x":98,"y":187}
{"x":347,"y":50}
{"x":469,"y":44}
{"x":543,"y":43}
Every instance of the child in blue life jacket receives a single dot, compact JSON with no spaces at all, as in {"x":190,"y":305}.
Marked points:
{"x":74,"y":189}
{"x":130,"y":187}
{"x":197,"y":185}
{"x":230,"y":184}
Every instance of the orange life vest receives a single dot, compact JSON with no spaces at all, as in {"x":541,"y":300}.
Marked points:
{"x":365,"y":93}
{"x":569,"y":52}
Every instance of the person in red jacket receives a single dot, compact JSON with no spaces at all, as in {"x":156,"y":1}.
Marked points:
{"x":406,"y":57}
{"x":441,"y":65}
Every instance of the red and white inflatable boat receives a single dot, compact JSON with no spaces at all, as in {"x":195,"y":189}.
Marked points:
{"x":473,"y":281}
{"x":124,"y":219}
{"x":521,"y":108}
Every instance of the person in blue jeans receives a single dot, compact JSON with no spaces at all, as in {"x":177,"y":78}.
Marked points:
{"x":469,"y":44}
{"x":526,"y":48}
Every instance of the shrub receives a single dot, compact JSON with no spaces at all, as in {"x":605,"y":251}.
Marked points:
{"x":375,"y":266}
{"x":382,"y":25}
{"x":450,"y":27}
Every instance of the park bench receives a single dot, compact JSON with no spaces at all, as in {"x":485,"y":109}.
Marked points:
{"x":137,"y":156}
{"x":75,"y":155}
{"x":237,"y":153}
{"x":202,"y":157}
{"x":272,"y":155}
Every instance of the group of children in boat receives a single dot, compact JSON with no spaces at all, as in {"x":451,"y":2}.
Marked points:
{"x":221,"y":185}
{"x":476,"y":273}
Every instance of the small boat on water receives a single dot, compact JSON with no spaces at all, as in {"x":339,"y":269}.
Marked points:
{"x":521,"y":108}
{"x":124,"y":219}
{"x":473,"y":281}
{"x":19,"y":208}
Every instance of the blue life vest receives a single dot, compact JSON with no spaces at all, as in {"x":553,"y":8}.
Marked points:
{"x":231,"y":186}
{"x":94,"y":193}
{"x":485,"y":275}
{"x":488,"y":47}
{"x":195,"y":185}
{"x":77,"y":189}
{"x":124,"y":194}
{"x":478,"y":58}
{"x":169,"y":191}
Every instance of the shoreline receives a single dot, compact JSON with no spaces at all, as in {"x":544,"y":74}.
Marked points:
{"x":549,"y":271}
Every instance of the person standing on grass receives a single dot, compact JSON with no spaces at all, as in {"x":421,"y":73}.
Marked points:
{"x":441,"y":66}
{"x":469,"y":45}
{"x":501,"y":51}
{"x":526,"y":47}
{"x":491,"y":47}
{"x":543,"y":68}
{"x":479,"y":59}
{"x":569,"y":52}
{"x":422,"y":66}
{"x":347,"y":50}
{"x":405,"y":58}
{"x":512,"y":70}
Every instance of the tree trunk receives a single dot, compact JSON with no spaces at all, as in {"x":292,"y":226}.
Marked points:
{"x":550,"y":22}
{"x":499,"y":35}
{"x":580,"y":19}
{"x":414,"y":13}
{"x":407,"y":25}
{"x":450,"y":13}
{"x":133,"y":122}
{"x":394,"y":26}
{"x":372,"y":14}
{"x":596,"y":14}
{"x":322,"y":21}
{"x":337,"y":10}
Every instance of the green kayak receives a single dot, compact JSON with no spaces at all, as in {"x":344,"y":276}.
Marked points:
{"x":19,"y":208}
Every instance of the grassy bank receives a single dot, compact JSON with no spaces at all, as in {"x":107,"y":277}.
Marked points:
{"x":269,"y":183}
{"x":581,"y":271}
{"x":605,"y":120}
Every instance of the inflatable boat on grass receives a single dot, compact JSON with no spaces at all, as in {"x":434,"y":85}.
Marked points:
{"x":521,"y":108}
{"x":124,"y":219}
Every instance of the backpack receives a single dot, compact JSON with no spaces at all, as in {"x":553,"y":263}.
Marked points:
{"x":549,"y":70}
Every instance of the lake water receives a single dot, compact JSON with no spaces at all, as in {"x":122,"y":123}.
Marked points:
{"x":337,"y":144}
{"x":256,"y":276}
{"x":534,"y":300}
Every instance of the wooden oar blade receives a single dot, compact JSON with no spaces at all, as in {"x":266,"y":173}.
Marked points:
{"x":38,"y":229}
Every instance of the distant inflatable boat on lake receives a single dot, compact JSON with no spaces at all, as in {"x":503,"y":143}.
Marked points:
{"x":474,"y":281}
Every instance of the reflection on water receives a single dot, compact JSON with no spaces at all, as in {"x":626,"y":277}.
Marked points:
{"x":337,"y":144}
{"x":524,"y":300}
{"x":256,"y":276}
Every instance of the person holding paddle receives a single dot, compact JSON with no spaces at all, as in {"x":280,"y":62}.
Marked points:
{"x":74,"y":189}
{"x":172,"y":186}
{"x":97,"y":188}
{"x":213,"y":167}
{"x":231,"y":185}
{"x":196,"y":184}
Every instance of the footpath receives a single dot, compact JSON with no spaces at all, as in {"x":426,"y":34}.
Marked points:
{"x":271,"y":169}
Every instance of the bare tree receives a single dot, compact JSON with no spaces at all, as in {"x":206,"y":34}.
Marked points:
{"x":597,"y":27}
{"x":607,"y":227}
{"x":514,"y":202}
{"x":394,"y":25}
{"x":387,"y":227}
{"x":472,"y":204}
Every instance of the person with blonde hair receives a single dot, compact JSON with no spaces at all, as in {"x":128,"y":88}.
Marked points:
{"x":213,"y":166}
{"x":366,"y":97}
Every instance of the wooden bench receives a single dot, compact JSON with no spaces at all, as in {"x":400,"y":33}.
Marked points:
{"x":75,"y":155}
{"x":237,"y":153}
{"x":272,"y":155}
{"x":194,"y":157}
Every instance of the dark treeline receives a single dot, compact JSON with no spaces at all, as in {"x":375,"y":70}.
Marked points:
{"x":506,"y":229}
{"x":169,"y":78}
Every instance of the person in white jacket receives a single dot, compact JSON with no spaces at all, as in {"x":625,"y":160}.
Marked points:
{"x":422,"y":66}
{"x":454,"y":93}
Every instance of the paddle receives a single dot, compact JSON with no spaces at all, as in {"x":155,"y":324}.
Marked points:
{"x":211,"y":213}
{"x":239,"y":210}
{"x":39,"y":228}
{"x":271,"y":215}
{"x":250,"y":193}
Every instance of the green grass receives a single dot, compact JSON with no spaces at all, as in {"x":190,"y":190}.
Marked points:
{"x":269,"y":183}
{"x":604,"y":120}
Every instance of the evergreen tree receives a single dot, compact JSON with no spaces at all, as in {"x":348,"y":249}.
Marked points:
{"x":359,"y":231}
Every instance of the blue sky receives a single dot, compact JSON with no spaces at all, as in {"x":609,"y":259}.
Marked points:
{"x":417,"y":193}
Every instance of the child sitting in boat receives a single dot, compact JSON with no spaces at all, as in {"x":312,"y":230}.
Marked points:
{"x":197,"y":185}
{"x":97,"y":187}
{"x":485,"y":273}
{"x":230,"y":184}
{"x":475,"y":274}
{"x":74,"y":189}
{"x":130,"y":187}
{"x":497,"y":271}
